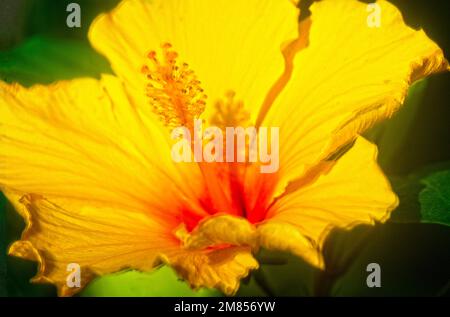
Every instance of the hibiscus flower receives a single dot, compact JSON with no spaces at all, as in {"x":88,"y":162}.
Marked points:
{"x":88,"y":165}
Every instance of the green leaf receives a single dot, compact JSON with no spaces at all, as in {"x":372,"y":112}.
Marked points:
{"x":435,"y":198}
{"x":162,"y":282}
{"x":410,"y":188}
{"x":45,"y":60}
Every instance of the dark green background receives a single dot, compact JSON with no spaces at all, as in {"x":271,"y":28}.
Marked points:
{"x":412,"y":248}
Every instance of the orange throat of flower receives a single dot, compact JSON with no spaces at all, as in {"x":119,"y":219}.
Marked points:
{"x":177,"y":98}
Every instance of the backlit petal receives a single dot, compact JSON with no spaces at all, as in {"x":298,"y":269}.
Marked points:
{"x":353,"y":191}
{"x":217,"y":253}
{"x":350,"y":76}
{"x":282,"y":236}
{"x":99,"y":239}
{"x":219,"y":230}
{"x":219,"y":268}
{"x":84,"y":140}
{"x":230,"y":45}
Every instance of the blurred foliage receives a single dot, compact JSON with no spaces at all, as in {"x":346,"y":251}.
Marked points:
{"x":161,"y":282}
{"x":53,"y":22}
{"x":411,"y":187}
{"x":435,"y":198}
{"x":26,"y":18}
{"x":280,"y":274}
{"x":413,"y":257}
{"x":44,"y":60}
{"x":391,"y":134}
{"x":414,"y":260}
{"x":39,"y":48}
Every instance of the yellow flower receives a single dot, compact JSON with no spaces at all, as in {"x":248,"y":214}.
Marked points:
{"x":87,"y":163}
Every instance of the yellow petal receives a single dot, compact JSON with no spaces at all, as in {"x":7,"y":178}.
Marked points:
{"x":100,"y":240}
{"x":221,"y":229}
{"x":350,"y":76}
{"x":84,"y":140}
{"x":217,"y":253}
{"x":230,"y":45}
{"x":354,"y":191}
{"x":282,"y":236}
{"x":219,"y":268}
